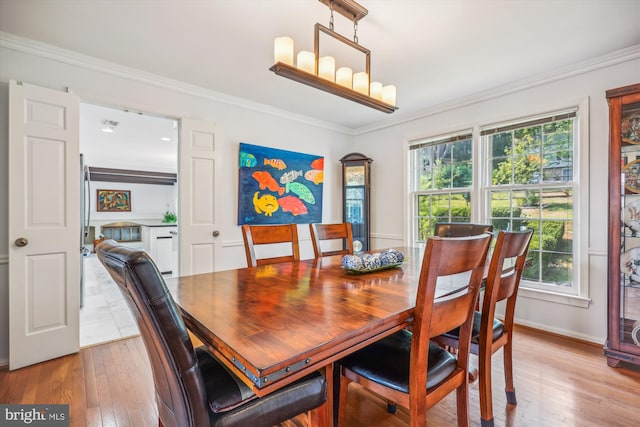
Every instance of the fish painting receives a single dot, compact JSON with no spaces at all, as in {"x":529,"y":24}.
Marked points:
{"x":266,"y":181}
{"x":318,"y":164}
{"x":265,"y":204}
{"x":292,"y":204}
{"x":289,"y":177}
{"x":301,"y":191}
{"x":247,"y":160}
{"x":315,"y":176}
{"x":276,"y":163}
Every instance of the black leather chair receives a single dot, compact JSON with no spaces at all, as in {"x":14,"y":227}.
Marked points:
{"x":460,"y":229}
{"x":193,"y":389}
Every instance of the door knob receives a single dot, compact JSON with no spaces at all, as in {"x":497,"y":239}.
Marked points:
{"x":20,"y":242}
{"x":215,"y":233}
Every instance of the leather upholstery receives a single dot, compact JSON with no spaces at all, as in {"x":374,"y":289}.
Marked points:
{"x":387,"y":362}
{"x":191,"y":384}
{"x":497,"y":328}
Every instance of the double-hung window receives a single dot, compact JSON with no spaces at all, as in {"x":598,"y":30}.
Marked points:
{"x":528,"y":177}
{"x":529,"y":184}
{"x":441,"y":182}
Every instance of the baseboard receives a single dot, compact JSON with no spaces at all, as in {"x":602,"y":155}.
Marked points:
{"x":590,"y":341}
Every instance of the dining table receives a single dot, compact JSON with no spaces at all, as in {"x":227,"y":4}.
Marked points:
{"x":274,"y":324}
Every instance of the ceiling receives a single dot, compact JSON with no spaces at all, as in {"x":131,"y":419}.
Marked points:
{"x":434,"y":51}
{"x":138,"y":141}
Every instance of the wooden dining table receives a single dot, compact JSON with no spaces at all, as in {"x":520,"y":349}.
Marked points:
{"x":274,"y":324}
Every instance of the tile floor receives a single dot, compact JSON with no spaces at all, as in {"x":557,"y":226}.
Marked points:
{"x":104,"y":316}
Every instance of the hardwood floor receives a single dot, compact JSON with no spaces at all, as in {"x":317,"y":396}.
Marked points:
{"x":559,"y":382}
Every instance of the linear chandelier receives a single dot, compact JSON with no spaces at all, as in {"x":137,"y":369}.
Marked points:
{"x":320,"y":73}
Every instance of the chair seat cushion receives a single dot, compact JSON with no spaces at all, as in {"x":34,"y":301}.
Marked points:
{"x":233,"y":403}
{"x":497,"y":328}
{"x":387,"y":362}
{"x":224,"y":390}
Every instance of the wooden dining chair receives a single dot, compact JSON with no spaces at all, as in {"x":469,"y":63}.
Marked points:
{"x":270,"y":235}
{"x":460,"y":229}
{"x":490,"y":334}
{"x":406,"y":367}
{"x":332,"y":232}
{"x":192,"y":387}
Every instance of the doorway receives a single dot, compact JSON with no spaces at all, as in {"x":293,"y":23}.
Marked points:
{"x":123,"y":152}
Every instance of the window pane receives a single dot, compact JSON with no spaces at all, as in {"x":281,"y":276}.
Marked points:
{"x":441,"y":166}
{"x":529,"y":160}
{"x":460,"y":207}
{"x":557,"y":203}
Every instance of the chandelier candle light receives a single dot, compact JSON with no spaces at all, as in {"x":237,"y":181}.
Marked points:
{"x":321,"y":73}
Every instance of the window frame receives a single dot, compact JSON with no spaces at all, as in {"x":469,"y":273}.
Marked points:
{"x":414,"y":194}
{"x":579,"y":296}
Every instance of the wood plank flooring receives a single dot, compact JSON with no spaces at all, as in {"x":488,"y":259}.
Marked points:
{"x":559,"y":382}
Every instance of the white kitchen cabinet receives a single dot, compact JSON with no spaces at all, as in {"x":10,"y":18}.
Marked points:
{"x":158,"y":244}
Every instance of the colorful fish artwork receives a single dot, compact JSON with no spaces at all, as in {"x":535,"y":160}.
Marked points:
{"x":265,"y":204}
{"x":318,"y":164}
{"x":289,"y":176}
{"x":276,"y":163}
{"x":266,"y":181}
{"x":292,"y":204}
{"x":301,"y":191}
{"x":314,"y":176}
{"x":247,"y":160}
{"x":278,"y":186}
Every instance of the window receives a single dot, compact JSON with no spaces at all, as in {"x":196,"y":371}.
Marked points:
{"x":530,"y":184}
{"x":441,"y":182}
{"x":530,"y":179}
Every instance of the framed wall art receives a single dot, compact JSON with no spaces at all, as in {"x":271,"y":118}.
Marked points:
{"x":279,"y":186}
{"x":113,"y":201}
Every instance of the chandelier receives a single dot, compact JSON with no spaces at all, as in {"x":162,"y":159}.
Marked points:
{"x":320,"y":72}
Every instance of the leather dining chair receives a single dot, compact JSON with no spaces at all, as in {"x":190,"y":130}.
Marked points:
{"x":331,"y":232}
{"x":460,"y":229}
{"x":406,"y":367}
{"x":490,"y":334}
{"x":192,"y":388}
{"x":266,"y":235}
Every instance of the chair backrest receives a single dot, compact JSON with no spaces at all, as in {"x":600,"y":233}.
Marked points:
{"x":503,"y":283}
{"x":270,"y":234}
{"x":341,"y":231}
{"x":445,"y":257}
{"x":460,"y":229}
{"x":179,"y":386}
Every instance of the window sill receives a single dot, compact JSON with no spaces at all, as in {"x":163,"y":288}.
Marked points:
{"x":555,"y":297}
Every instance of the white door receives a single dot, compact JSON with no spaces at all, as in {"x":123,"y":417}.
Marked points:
{"x":44,"y":219}
{"x":197,"y":187}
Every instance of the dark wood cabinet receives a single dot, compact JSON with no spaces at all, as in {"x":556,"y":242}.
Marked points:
{"x":623,"y":333}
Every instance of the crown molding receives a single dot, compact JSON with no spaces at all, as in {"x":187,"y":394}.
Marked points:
{"x":44,"y":50}
{"x":616,"y":57}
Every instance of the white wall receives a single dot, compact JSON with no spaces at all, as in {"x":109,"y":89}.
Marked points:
{"x":235,"y":122}
{"x":387,"y":148}
{"x":148,"y":201}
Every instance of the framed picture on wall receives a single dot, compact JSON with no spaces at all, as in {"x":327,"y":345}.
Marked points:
{"x":279,"y":186}
{"x":113,"y":201}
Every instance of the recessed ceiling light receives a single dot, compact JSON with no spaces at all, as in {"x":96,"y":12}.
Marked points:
{"x":165,"y":139}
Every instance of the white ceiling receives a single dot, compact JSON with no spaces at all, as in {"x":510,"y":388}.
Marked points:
{"x":434,"y":51}
{"x":134,"y":144}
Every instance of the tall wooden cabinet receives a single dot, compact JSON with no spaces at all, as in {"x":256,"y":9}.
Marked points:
{"x":623,"y":338}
